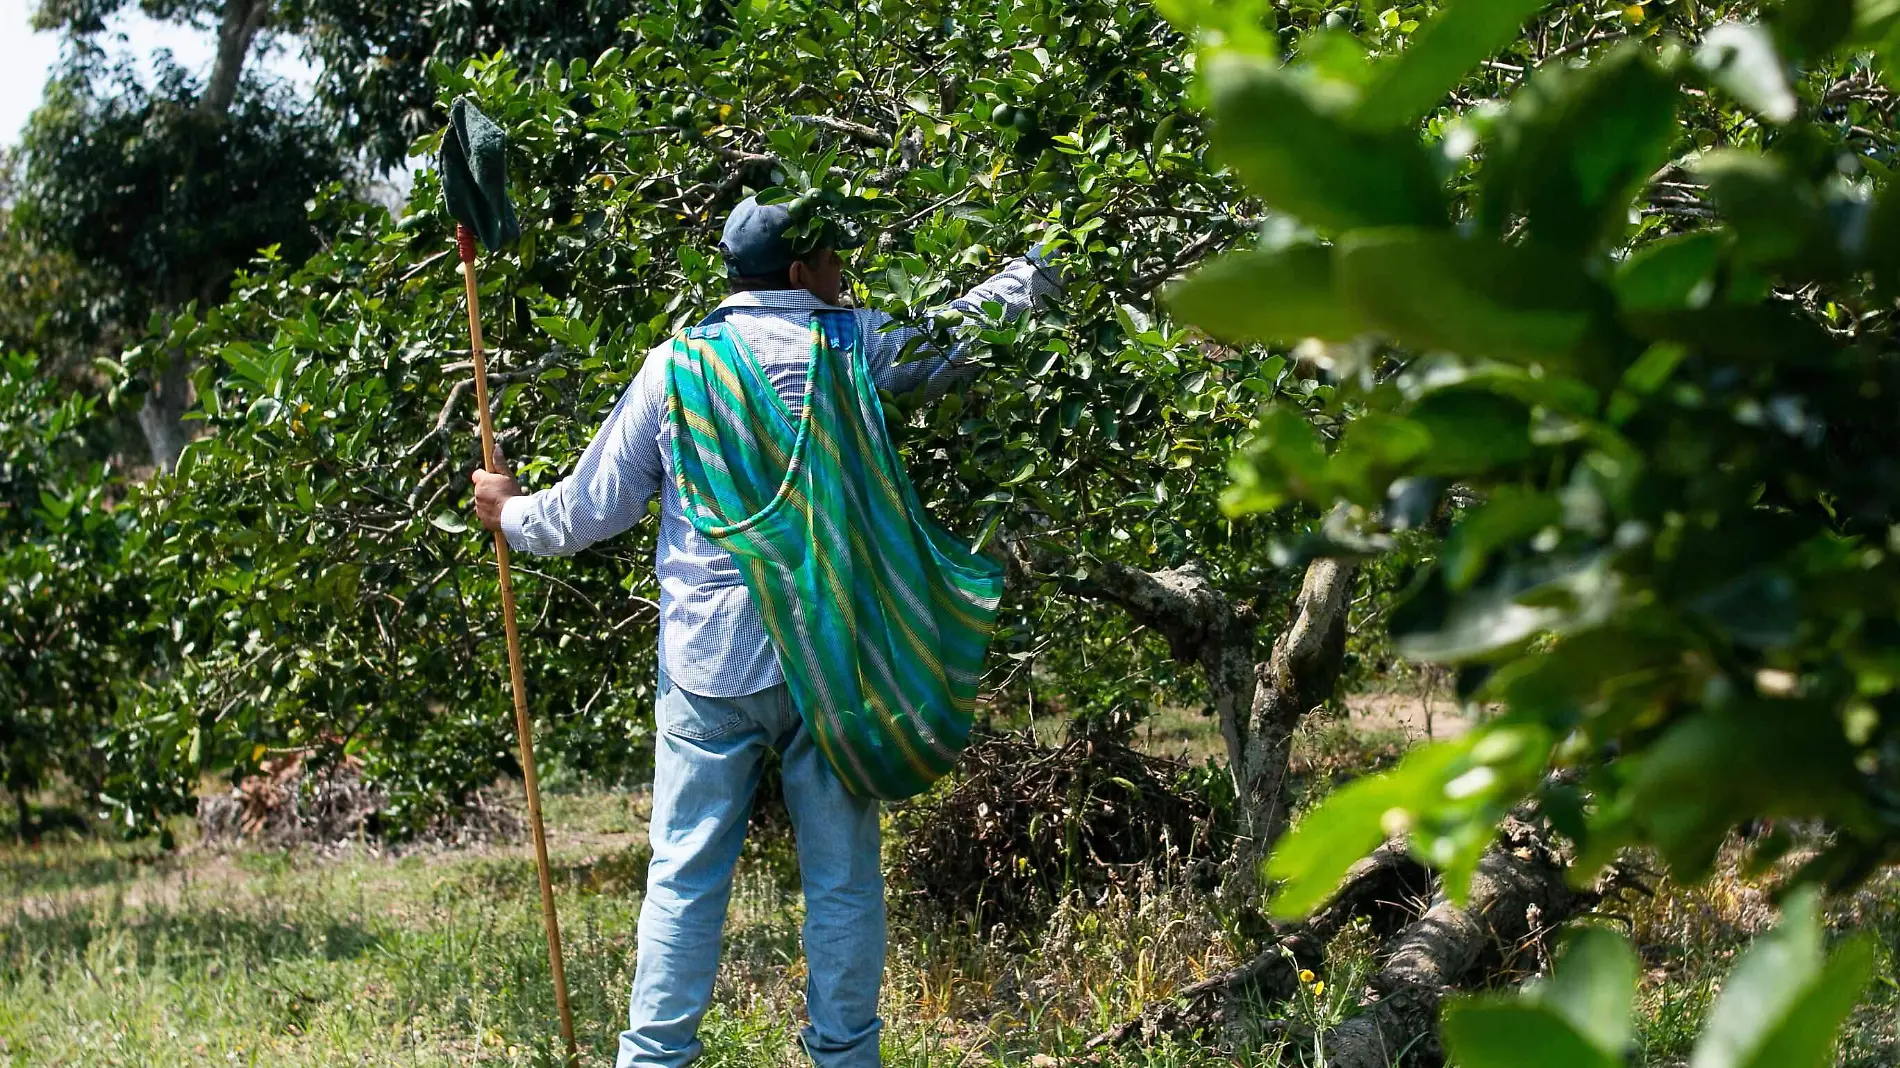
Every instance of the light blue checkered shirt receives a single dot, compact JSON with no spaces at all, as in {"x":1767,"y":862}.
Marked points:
{"x":712,"y":640}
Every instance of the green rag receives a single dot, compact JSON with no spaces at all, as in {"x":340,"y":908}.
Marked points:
{"x":475,"y":175}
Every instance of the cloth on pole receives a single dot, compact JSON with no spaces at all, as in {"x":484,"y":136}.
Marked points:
{"x":881,"y":618}
{"x":474,"y":168}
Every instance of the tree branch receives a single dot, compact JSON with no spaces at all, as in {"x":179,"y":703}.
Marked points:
{"x":854,"y":130}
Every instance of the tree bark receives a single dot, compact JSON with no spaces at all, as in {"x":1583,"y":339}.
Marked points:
{"x":1382,"y":888}
{"x":237,"y":29}
{"x":1519,"y":894}
{"x":161,"y":417}
{"x":1297,"y":677}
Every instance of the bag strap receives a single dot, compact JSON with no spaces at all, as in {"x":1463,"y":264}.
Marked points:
{"x":840,"y":325}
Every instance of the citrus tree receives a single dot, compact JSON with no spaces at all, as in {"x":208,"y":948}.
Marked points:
{"x":64,"y":553}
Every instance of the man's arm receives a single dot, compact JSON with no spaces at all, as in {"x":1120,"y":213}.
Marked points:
{"x":1018,"y":287}
{"x":608,"y":490}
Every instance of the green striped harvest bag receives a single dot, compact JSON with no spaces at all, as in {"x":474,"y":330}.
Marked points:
{"x":880,"y":617}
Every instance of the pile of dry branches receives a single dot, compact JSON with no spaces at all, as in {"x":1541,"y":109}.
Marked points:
{"x":1023,"y":824}
{"x":287,"y":804}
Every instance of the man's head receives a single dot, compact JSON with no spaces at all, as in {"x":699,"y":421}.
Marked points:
{"x":759,"y":254}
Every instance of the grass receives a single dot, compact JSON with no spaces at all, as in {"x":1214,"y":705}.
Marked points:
{"x":116,"y":954}
{"x":112,"y":954}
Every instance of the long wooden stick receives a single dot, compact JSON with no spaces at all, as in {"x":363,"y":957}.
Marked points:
{"x":523,"y":730}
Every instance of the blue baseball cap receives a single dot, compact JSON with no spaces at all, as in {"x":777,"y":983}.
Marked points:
{"x":755,"y":244}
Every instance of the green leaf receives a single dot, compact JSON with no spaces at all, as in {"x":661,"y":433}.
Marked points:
{"x":1524,"y":599}
{"x":1676,"y":272}
{"x":1473,"y":430}
{"x":1461,"y":36}
{"x":1754,"y":333}
{"x":1512,"y":513}
{"x":1644,"y":377}
{"x":1718,"y":768}
{"x":1290,"y":144}
{"x":1776,"y":217}
{"x":1246,"y":25}
{"x":1283,"y":295}
{"x":1782,"y":1003}
{"x":1883,"y":239}
{"x":1514,"y":1033}
{"x":1375,"y":448}
{"x":1575,"y":146}
{"x":1284,"y":461}
{"x":1351,"y":822}
{"x":1877,"y":27}
{"x":1435,"y":290}
{"x":1592,"y":985}
{"x":1811,"y":1029}
{"x":448,"y":521}
{"x":1741,"y":58}
{"x":1811,"y":28}
{"x":187,"y":459}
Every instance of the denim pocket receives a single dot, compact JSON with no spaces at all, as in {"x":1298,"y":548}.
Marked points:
{"x":699,"y":719}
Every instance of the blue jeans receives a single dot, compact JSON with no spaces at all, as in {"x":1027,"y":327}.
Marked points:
{"x":707,"y":762}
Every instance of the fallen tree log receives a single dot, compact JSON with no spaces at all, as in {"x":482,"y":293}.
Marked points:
{"x":1519,"y":896}
{"x":1388,"y":888}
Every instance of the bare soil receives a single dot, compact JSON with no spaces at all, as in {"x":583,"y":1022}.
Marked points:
{"x":1415,"y":717}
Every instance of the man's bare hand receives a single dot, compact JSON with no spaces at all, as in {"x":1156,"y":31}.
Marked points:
{"x":491,"y":492}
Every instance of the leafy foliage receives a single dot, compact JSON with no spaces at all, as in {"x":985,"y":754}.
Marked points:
{"x":1650,"y":337}
{"x":64,"y":552}
{"x":1679,"y":551}
{"x":151,"y":202}
{"x":1782,"y":1004}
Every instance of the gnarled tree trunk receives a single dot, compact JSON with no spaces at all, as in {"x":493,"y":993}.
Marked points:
{"x":162,"y":416}
{"x":1297,"y":677}
{"x":1258,"y":703}
{"x":1519,"y":894}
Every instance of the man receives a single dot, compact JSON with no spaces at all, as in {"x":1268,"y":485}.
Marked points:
{"x":722,"y":697}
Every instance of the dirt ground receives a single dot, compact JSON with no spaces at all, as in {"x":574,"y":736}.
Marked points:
{"x":1409,"y":714}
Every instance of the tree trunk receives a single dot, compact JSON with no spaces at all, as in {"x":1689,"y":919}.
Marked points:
{"x":1297,"y":677}
{"x":236,"y":31}
{"x":161,"y":418}
{"x":1380,"y":889}
{"x":1257,"y":704}
{"x":1519,"y":894}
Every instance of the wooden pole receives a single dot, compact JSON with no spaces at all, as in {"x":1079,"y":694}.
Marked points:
{"x":465,"y":242}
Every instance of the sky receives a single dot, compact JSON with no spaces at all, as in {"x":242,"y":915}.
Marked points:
{"x":26,"y":57}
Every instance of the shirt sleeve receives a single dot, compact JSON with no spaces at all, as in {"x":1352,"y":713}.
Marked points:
{"x":1018,"y":287}
{"x":609,"y":488}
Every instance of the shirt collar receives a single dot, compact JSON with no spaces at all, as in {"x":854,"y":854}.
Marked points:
{"x":777,"y":300}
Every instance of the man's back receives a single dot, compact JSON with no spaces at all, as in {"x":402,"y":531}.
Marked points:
{"x":712,"y":640}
